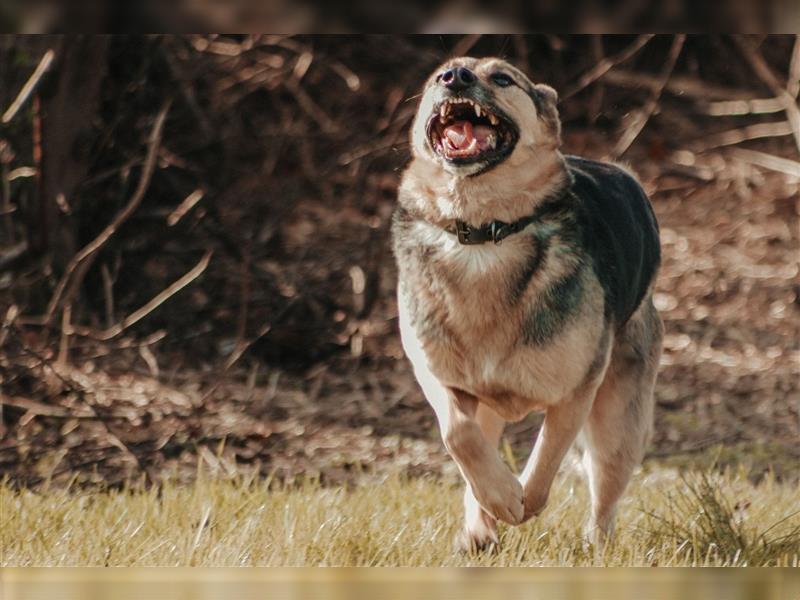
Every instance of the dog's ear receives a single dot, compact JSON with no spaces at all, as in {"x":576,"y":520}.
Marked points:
{"x":547,"y":93}
{"x":546,"y":100}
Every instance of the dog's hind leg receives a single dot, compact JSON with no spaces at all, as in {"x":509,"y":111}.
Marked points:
{"x":620,"y":421}
{"x":480,"y":528}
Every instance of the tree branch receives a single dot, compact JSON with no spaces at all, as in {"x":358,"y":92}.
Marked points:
{"x":92,"y":247}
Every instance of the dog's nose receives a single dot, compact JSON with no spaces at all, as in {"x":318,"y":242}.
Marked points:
{"x":458,"y":78}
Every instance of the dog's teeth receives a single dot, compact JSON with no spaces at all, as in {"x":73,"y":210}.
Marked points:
{"x":494,"y":120}
{"x":477,"y":110}
{"x":443,"y":110}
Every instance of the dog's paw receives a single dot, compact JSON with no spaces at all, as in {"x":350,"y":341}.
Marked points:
{"x":534,"y":502}
{"x":470,"y":541}
{"x":480,"y":528}
{"x":501,"y":496}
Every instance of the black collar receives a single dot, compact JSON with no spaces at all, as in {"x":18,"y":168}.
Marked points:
{"x":497,"y":231}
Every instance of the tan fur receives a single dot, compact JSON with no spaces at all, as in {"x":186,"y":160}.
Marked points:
{"x":460,"y":325}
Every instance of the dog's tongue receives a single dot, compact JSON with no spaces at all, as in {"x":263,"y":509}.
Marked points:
{"x":460,"y":134}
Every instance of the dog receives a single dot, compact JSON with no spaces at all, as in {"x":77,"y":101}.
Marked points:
{"x":525,"y":282}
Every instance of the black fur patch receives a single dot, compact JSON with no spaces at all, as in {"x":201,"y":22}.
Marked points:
{"x":530,"y":268}
{"x":619,"y":232}
{"x":600,"y":356}
{"x":556,"y":305}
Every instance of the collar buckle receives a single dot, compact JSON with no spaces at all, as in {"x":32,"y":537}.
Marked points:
{"x":497,"y":229}
{"x":469,"y":236}
{"x":495,"y":232}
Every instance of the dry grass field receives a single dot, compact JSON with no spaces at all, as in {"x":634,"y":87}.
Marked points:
{"x":666,"y":520}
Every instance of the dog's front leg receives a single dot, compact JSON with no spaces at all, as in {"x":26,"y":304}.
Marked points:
{"x":480,"y":528}
{"x":562,"y":422}
{"x":492,"y":483}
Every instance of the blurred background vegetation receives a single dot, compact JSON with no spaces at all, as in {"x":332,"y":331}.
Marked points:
{"x":194,"y":257}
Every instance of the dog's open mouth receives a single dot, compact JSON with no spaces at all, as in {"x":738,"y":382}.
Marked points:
{"x":464,"y":131}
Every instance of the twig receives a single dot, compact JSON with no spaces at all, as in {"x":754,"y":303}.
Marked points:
{"x":793,"y":84}
{"x":732,"y":108}
{"x":768,"y":161}
{"x":465,"y":44}
{"x":352,"y":80}
{"x":149,"y":359}
{"x":6,"y":156}
{"x":598,"y":91}
{"x":8,"y":321}
{"x":311,"y":108}
{"x":153,"y":143}
{"x":22,"y":172}
{"x":765,"y":73}
{"x":108,"y":293}
{"x":704,"y":174}
{"x":66,"y":332}
{"x":650,"y":106}
{"x":10,"y":255}
{"x":606,"y":64}
{"x":679,"y":85}
{"x":30,"y":85}
{"x":751,"y":132}
{"x":46,"y":410}
{"x":241,"y":348}
{"x":184,"y":207}
{"x":158,"y":300}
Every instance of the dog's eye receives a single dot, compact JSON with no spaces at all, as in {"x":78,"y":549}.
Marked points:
{"x":502,"y":79}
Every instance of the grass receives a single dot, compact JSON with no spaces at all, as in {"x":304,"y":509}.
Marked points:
{"x":665,"y":519}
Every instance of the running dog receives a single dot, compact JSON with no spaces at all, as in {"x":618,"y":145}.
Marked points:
{"x":525,"y":284}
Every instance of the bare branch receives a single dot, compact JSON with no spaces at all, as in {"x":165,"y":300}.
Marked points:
{"x":153,"y":144}
{"x":30,"y":85}
{"x":679,"y":85}
{"x":742,"y":134}
{"x":649,"y":108}
{"x":793,"y":84}
{"x":768,"y":161}
{"x":606,"y":64}
{"x":732,"y":108}
{"x":765,"y":73}
{"x":184,"y":207}
{"x":465,"y":44}
{"x":158,"y":300}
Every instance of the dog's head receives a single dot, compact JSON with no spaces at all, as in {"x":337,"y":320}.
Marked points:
{"x":477,"y":114}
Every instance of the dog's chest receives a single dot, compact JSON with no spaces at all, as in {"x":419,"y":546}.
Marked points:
{"x":471,"y":289}
{"x":463,"y":312}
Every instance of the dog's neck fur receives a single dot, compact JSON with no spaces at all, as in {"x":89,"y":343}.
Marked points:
{"x":430,"y":193}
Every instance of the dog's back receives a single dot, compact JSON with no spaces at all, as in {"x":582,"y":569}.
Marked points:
{"x":620,"y":233}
